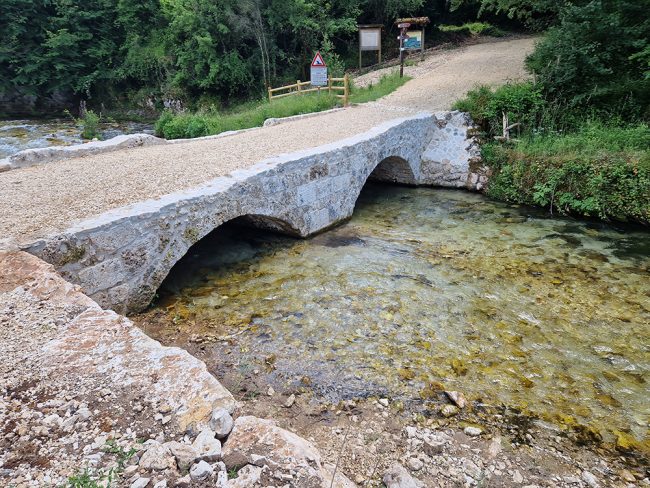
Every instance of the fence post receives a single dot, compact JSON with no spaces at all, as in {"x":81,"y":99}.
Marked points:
{"x":346,"y":90}
{"x":270,"y":95}
{"x":299,"y":89}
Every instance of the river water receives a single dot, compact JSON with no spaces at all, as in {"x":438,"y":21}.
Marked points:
{"x":18,"y":135}
{"x":425,"y":289}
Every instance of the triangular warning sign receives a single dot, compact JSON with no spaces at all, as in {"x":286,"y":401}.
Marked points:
{"x":318,"y":61}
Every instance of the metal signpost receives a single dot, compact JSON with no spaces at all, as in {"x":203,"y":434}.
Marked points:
{"x":403,"y":27}
{"x":410,"y":41}
{"x":318,"y":71}
{"x":370,"y":40}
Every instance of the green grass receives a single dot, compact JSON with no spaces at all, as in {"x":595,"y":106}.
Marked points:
{"x":253,"y":114}
{"x":595,"y":171}
{"x":387,"y":84}
{"x":473,"y":29}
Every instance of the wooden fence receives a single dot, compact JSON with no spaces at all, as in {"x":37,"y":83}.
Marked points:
{"x":339,"y":86}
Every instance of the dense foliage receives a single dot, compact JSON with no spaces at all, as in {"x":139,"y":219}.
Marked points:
{"x":598,"y":171}
{"x":597,"y":57}
{"x":199,"y":51}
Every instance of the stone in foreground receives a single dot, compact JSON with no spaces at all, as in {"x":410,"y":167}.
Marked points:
{"x":253,"y":439}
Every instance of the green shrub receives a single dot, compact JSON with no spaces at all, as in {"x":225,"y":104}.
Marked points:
{"x":90,"y":124}
{"x":473,"y":29}
{"x":598,"y":171}
{"x":523,"y":102}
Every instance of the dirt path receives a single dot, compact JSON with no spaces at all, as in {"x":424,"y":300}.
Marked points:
{"x":44,"y":199}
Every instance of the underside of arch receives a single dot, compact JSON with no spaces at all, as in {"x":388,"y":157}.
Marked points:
{"x":394,"y":169}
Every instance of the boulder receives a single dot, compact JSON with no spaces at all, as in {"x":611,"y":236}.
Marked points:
{"x":156,"y":457}
{"x":398,"y":477}
{"x":261,"y":442}
{"x":184,"y":453}
{"x":200,"y":471}
{"x":208,"y":447}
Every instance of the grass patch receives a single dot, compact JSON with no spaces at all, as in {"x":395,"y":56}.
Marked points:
{"x":253,"y":114}
{"x":473,"y":29}
{"x":387,"y":84}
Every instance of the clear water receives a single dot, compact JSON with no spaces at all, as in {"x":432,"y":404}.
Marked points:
{"x":426,"y":287}
{"x":18,"y":135}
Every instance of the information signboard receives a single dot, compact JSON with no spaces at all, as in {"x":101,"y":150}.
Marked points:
{"x":413,"y":40}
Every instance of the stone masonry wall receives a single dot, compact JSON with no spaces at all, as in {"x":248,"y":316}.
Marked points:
{"x":121,"y":257}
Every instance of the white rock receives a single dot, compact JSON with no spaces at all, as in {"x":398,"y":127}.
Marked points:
{"x":457,"y":397}
{"x":590,"y":479}
{"x":222,"y":480}
{"x":398,"y":477}
{"x":221,"y":422}
{"x":246,"y":477}
{"x":140,"y":483}
{"x":157,"y":457}
{"x":472,"y":431}
{"x":208,"y":448}
{"x":290,"y":401}
{"x":517,"y":477}
{"x":383,"y":402}
{"x":184,"y":454}
{"x":415,"y":464}
{"x":200,"y":471}
{"x":411,"y":431}
{"x":161,"y":484}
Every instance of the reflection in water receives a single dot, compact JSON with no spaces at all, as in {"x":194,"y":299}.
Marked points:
{"x":426,"y":287}
{"x":18,"y":135}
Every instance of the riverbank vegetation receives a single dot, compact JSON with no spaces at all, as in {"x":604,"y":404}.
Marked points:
{"x":253,"y":114}
{"x":580,"y":139}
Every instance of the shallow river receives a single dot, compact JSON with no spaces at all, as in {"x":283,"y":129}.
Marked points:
{"x":18,"y":135}
{"x":428,"y":288}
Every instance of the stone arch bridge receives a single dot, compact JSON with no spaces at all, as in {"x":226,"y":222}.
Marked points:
{"x":121,"y":257}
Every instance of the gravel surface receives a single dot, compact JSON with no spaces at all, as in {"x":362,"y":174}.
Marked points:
{"x":41,"y":200}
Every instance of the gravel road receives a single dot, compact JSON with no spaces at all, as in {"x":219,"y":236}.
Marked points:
{"x":37,"y":201}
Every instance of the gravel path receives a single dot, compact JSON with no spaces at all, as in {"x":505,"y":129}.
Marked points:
{"x":45,"y":199}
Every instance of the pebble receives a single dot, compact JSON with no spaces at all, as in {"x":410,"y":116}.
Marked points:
{"x":383,"y":402}
{"x":290,"y":401}
{"x":590,"y":479}
{"x":517,"y":477}
{"x":200,"y":471}
{"x":270,"y":391}
{"x":161,"y":484}
{"x":457,"y":397}
{"x":472,"y":431}
{"x":449,"y":410}
{"x":221,"y":422}
{"x":140,"y":483}
{"x":415,"y":464}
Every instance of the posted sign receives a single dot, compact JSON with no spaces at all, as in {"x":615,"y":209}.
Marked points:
{"x":318,"y":71}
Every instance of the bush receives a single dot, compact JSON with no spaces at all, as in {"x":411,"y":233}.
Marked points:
{"x":473,"y":29}
{"x":523,"y":102}
{"x":599,"y":171}
{"x":597,"y":58}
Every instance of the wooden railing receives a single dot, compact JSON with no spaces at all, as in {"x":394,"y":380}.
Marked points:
{"x":301,"y":87}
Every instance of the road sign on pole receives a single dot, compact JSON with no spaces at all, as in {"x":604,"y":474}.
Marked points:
{"x":318,"y":71}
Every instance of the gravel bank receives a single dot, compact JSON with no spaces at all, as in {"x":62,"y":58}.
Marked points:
{"x":45,"y":199}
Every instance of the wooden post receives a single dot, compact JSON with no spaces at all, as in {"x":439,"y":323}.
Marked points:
{"x":422,"y":50}
{"x":359,"y":49}
{"x":379,"y":55}
{"x":346,"y":90}
{"x":270,"y":95}
{"x":329,"y":85}
{"x":299,"y":89}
